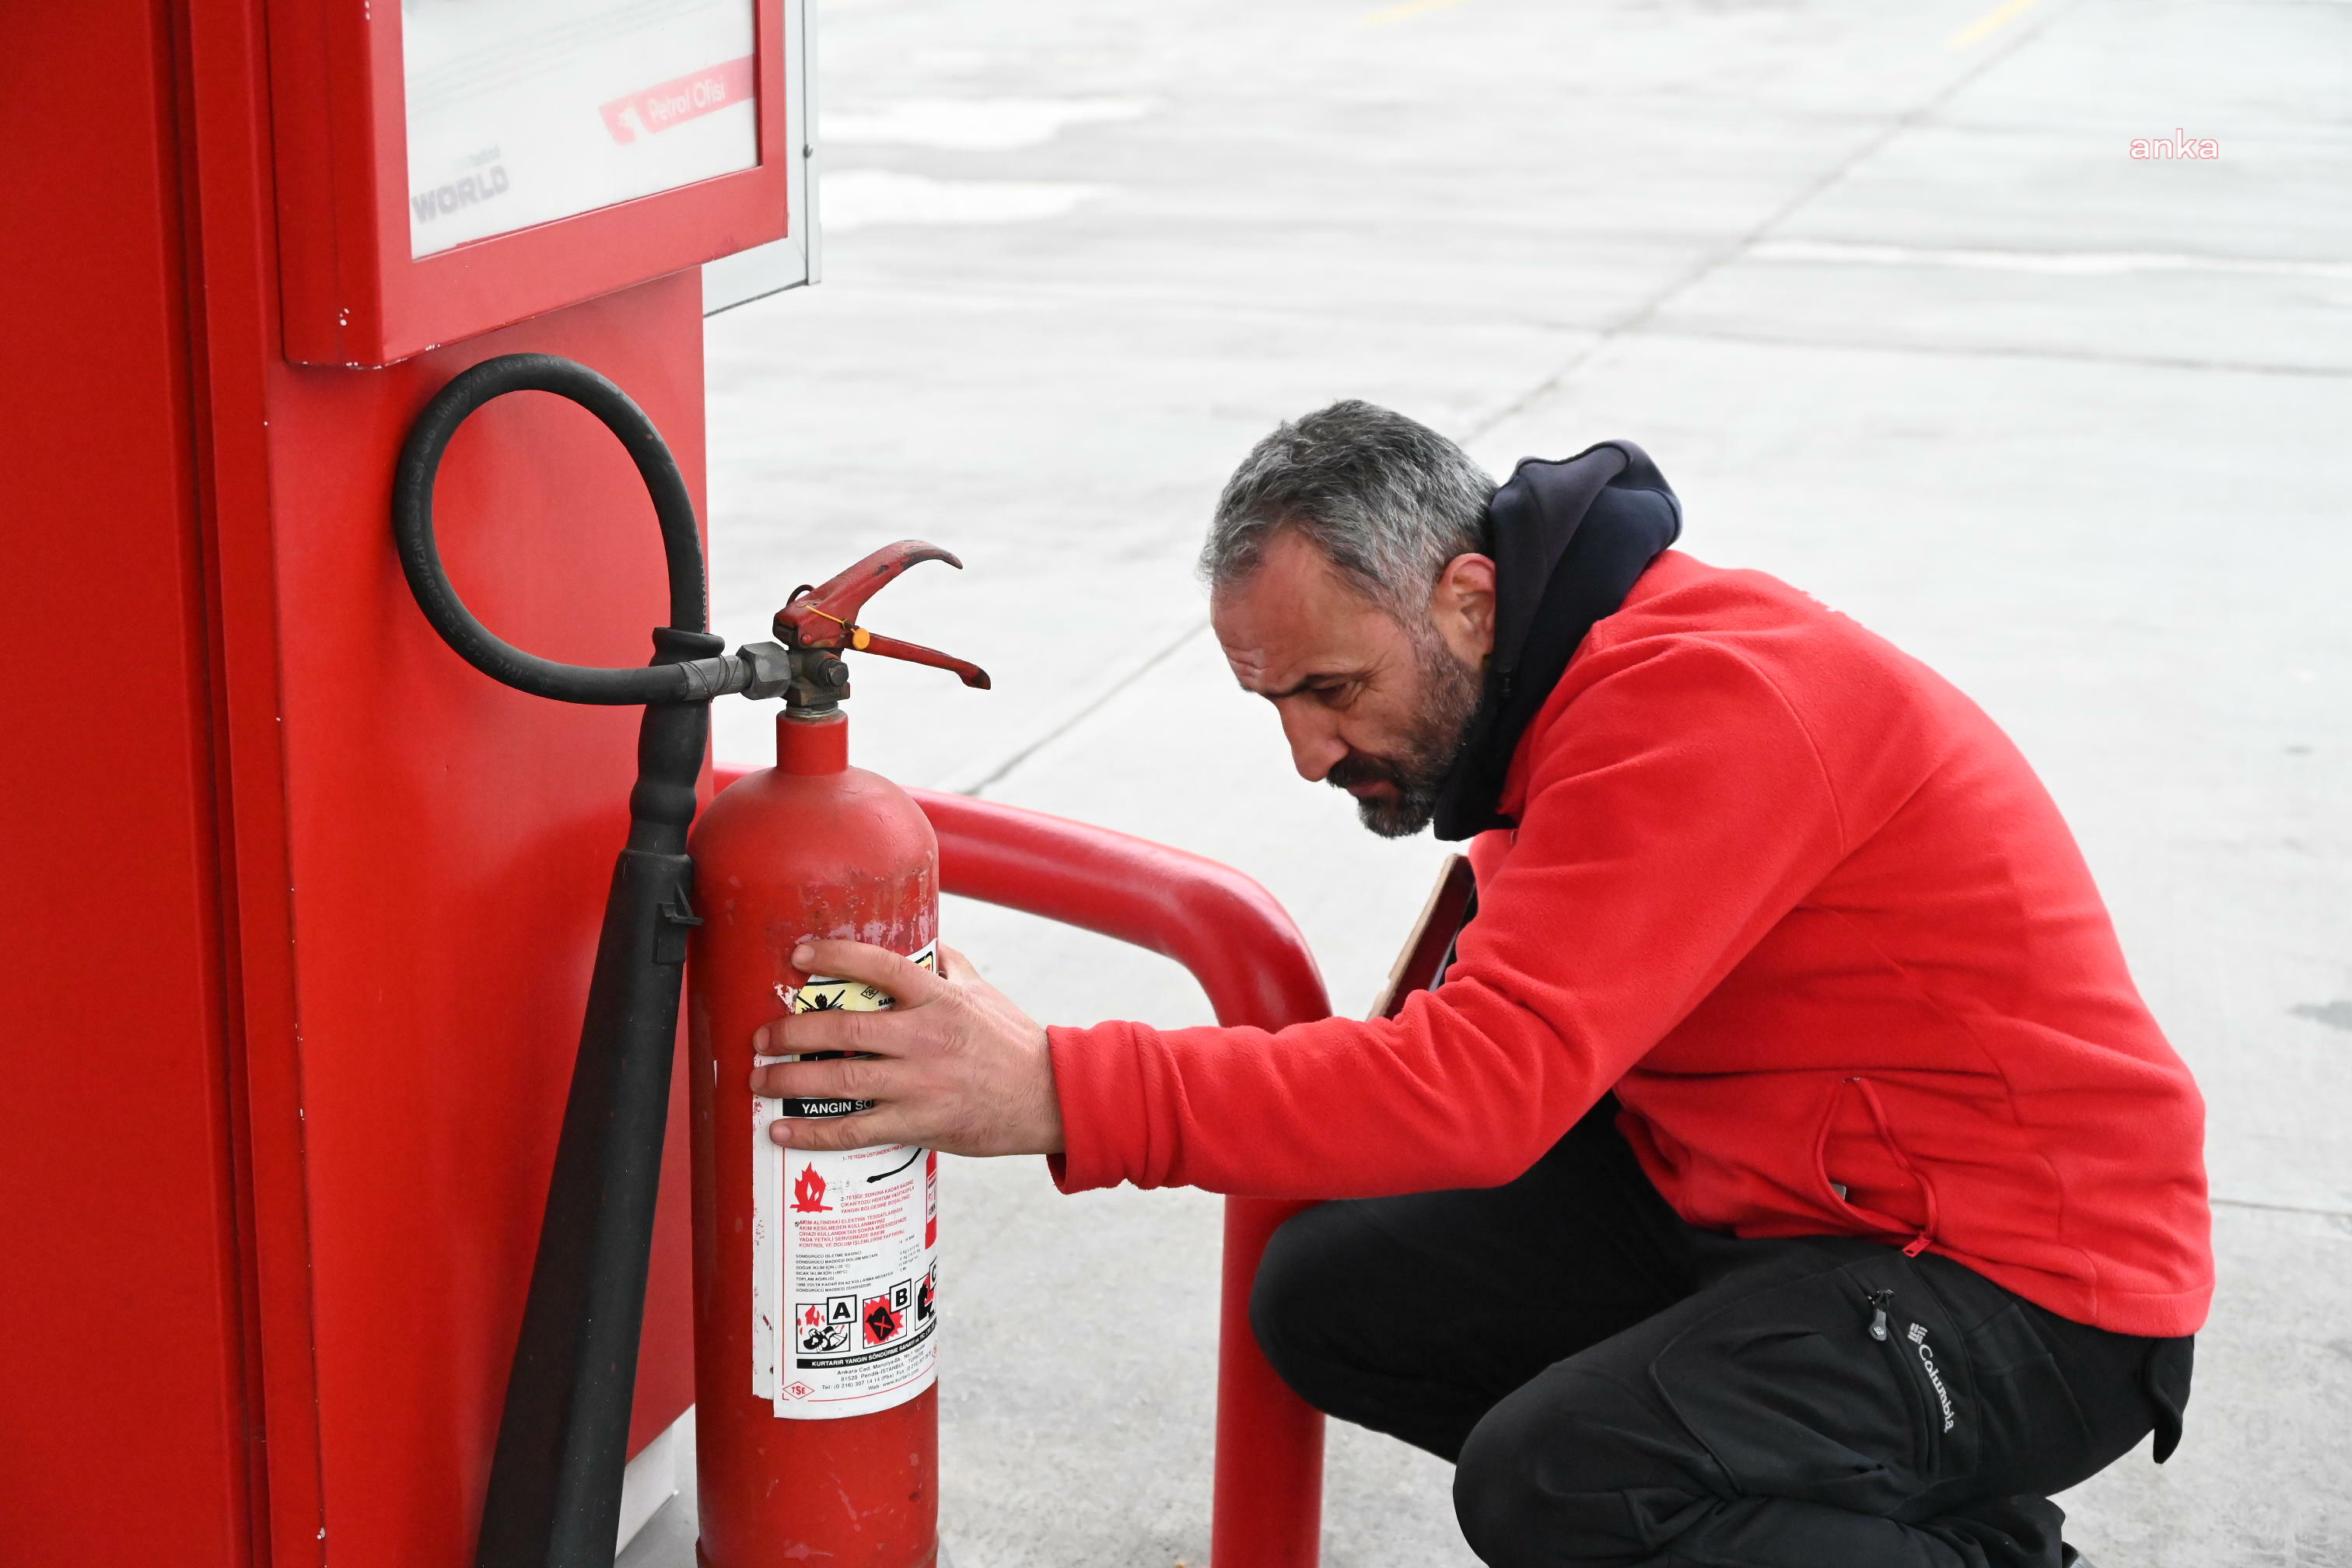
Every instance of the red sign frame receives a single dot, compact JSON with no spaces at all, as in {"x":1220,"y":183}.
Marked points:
{"x":352,"y":294}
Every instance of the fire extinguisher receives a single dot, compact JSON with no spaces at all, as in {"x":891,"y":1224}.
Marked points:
{"x":843,"y":1469}
{"x":816,"y":1273}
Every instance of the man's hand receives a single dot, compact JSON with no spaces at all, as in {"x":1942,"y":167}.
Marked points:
{"x":952,"y":1065}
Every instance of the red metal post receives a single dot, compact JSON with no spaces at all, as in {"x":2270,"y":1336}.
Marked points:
{"x":1268,"y":1512}
{"x":1255,"y":968}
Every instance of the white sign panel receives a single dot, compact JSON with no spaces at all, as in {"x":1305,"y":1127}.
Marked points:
{"x":522,"y":111}
{"x":844,"y":1250}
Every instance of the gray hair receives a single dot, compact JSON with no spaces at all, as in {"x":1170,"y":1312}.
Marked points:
{"x":1386,"y":498}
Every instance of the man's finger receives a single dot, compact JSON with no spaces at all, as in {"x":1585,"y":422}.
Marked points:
{"x":954,"y":966}
{"x":908,"y":983}
{"x":842,"y":1080}
{"x":863,"y":1130}
{"x":835,"y":1029}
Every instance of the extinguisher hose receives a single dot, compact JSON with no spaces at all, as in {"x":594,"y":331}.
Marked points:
{"x":555,"y":1493}
{"x":420,"y":556}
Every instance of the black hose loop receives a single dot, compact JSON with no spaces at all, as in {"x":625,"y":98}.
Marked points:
{"x":420,"y":558}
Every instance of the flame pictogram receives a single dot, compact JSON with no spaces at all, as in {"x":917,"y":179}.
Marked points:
{"x":808,"y":1193}
{"x":812,"y":1316}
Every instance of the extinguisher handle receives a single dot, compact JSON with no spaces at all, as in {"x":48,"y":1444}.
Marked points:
{"x":965,"y":670}
{"x":839,"y":597}
{"x":825,"y":616}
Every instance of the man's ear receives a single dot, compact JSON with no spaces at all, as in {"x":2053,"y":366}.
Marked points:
{"x":1462,"y":605}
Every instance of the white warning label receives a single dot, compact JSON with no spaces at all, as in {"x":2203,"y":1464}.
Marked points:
{"x":845,"y":1254}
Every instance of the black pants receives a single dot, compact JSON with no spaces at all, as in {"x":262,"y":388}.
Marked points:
{"x":1616,"y":1386}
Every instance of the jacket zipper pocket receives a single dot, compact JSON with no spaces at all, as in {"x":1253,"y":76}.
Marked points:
{"x":1926,"y":1235}
{"x":1927,"y":1418}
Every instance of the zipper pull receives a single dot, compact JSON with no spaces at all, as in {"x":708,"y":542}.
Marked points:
{"x":1879,"y":1301}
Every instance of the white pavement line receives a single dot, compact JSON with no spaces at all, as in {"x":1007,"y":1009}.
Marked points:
{"x":975,"y":124}
{"x":1641,"y":314}
{"x":1992,"y":22}
{"x":998,"y":774}
{"x":2047,"y":263}
{"x":862,"y":198}
{"x":1997,"y":351}
{"x":2277,"y":1208}
{"x":1406,"y":12}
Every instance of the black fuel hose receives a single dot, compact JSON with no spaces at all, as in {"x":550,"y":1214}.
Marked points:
{"x":420,"y":558}
{"x":554,"y":1495}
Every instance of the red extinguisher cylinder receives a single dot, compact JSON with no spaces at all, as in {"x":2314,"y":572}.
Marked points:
{"x":786,"y":1335}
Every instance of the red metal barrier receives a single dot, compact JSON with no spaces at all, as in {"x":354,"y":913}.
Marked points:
{"x":1255,"y":968}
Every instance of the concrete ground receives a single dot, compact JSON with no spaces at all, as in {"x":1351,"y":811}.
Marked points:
{"x":1884,"y":291}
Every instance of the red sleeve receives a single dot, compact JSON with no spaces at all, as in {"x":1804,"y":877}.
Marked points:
{"x":1676,"y":810}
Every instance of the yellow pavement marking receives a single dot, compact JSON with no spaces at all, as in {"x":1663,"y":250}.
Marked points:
{"x":1992,"y":22}
{"x":1406,"y":12}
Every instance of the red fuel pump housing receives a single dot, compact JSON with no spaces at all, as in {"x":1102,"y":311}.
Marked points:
{"x":811,"y":847}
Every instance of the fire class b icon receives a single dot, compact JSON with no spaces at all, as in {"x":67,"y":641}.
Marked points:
{"x":885,"y":1317}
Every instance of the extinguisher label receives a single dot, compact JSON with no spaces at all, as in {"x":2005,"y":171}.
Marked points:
{"x":845,"y":1255}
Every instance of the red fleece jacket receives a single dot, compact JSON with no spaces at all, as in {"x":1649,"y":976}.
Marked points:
{"x":1810,"y":913}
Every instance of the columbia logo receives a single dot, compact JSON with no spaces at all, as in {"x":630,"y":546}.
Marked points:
{"x":1918,"y":1332}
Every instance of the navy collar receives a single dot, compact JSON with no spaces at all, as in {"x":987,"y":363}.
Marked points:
{"x":1569,"y":538}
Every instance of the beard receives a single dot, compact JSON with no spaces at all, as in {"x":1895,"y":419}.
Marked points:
{"x":1449,"y":696}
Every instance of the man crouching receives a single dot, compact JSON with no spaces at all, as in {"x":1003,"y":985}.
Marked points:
{"x":1786,"y":1171}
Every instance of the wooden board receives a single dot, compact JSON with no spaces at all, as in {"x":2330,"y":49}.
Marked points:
{"x":1422,"y":964}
